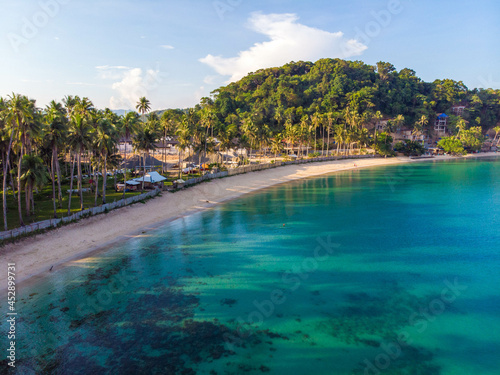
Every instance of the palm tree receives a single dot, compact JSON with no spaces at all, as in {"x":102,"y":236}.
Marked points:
{"x":6,"y":138}
{"x":143,"y":106}
{"x":144,"y":141}
{"x":418,"y":129}
{"x":277,"y":144}
{"x":316,"y":122}
{"x":34,"y":174}
{"x":226,"y":136}
{"x":330,"y":117}
{"x":398,"y":121}
{"x":249,"y":131}
{"x":106,"y":139}
{"x":168,"y":122}
{"x":128,"y":126}
{"x":55,"y":134}
{"x":19,"y":113}
{"x":263,"y":134}
{"x":497,"y":131}
{"x":79,"y":138}
{"x":183,"y":133}
{"x":378,"y":117}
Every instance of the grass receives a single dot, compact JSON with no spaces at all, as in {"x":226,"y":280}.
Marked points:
{"x":44,"y":209}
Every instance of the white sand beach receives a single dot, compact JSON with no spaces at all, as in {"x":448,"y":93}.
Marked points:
{"x":36,"y":255}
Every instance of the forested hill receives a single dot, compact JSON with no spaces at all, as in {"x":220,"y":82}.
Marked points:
{"x":337,"y":87}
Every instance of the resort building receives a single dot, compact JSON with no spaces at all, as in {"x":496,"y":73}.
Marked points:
{"x":441,"y":124}
{"x":458,"y":110}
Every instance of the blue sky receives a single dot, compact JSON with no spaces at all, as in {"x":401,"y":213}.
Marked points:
{"x":175,"y":52}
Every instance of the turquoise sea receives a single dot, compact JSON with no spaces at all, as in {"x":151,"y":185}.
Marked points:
{"x":387,"y":270}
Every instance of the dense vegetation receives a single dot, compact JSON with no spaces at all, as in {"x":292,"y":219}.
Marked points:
{"x":329,"y":106}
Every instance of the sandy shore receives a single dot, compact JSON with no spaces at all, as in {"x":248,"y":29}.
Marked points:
{"x":36,"y":255}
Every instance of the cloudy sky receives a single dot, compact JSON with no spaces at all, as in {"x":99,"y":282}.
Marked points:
{"x":175,"y":52}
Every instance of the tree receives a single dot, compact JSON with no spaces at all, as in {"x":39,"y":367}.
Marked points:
{"x":56,"y":126}
{"x":144,"y":141}
{"x":183,"y":133}
{"x":452,"y":145}
{"x":34,"y":174}
{"x":105,"y":144}
{"x":6,"y":138}
{"x":410,"y":148}
{"x":79,"y":138}
{"x":497,"y":131}
{"x":277,"y":144}
{"x":472,"y":139}
{"x":127,"y":127}
{"x":143,"y":106}
{"x":383,"y":146}
{"x":20,"y":114}
{"x":169,"y":122}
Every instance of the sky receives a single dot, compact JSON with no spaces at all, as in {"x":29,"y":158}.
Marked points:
{"x":175,"y":52}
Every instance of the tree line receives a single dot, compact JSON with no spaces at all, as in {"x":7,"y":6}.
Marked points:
{"x":328,"y":106}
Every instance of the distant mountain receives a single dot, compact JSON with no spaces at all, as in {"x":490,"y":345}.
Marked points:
{"x":121,"y":112}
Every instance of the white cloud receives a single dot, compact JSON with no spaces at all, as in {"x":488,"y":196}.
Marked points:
{"x":167,"y":46}
{"x":289,"y":41}
{"x":81,"y":84}
{"x":209,"y":80}
{"x":130,"y":84}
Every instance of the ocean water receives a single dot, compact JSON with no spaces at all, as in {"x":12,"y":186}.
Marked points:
{"x":388,"y":270}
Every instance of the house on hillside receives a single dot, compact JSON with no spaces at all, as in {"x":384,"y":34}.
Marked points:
{"x":441,"y":124}
{"x":458,"y":110}
{"x":380,"y":126}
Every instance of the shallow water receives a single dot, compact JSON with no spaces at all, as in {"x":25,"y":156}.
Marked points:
{"x":390,"y":270}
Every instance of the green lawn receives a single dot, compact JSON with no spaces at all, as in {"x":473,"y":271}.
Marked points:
{"x":44,"y":208}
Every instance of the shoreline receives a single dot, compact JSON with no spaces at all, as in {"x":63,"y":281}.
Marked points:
{"x":34,"y":256}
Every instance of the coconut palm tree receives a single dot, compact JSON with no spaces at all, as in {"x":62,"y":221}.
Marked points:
{"x":249,"y":131}
{"x":127,"y":127}
{"x":398,"y":121}
{"x":277,"y":144}
{"x":378,"y":118}
{"x":79,"y":139}
{"x":226,"y":136}
{"x":19,"y":113}
{"x":419,"y":127}
{"x":183,"y":133}
{"x":168,"y":124}
{"x":6,"y":138}
{"x":34,"y":174}
{"x":105,"y":144}
{"x":316,"y":120}
{"x":497,"y":132}
{"x":144,"y":141}
{"x":143,"y":106}
{"x":56,"y":126}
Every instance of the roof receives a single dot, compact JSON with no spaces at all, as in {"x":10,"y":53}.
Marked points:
{"x":151,"y":177}
{"x":442,"y":115}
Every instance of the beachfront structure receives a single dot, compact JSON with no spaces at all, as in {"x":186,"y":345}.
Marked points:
{"x":441,"y":124}
{"x":128,"y":186}
{"x":151,"y":180}
{"x":169,"y":144}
